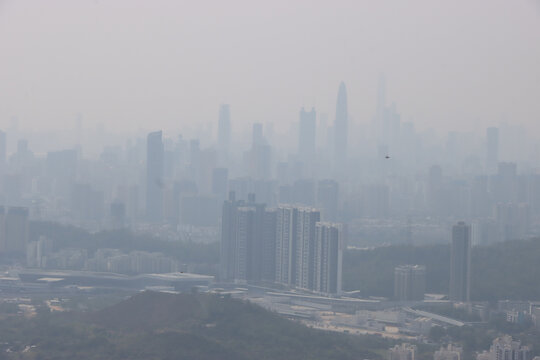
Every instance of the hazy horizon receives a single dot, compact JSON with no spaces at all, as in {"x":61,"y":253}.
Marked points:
{"x":140,"y":65}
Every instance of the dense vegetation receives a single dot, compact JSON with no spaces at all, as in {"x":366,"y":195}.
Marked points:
{"x":506,"y":270}
{"x":167,"y":326}
{"x":73,"y":237}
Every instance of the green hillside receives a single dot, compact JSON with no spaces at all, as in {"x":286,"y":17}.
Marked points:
{"x":507,"y":270}
{"x":168,"y":326}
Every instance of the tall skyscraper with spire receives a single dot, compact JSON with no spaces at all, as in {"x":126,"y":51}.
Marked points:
{"x":341,"y":125}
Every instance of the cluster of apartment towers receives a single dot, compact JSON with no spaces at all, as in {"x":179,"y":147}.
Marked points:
{"x":287,"y":245}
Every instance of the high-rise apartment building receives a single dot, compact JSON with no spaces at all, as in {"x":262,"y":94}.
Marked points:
{"x":287,"y":245}
{"x":286,"y":234}
{"x":460,"y":263}
{"x":3,"y":155}
{"x":409,"y":282}
{"x":247,"y":241}
{"x":154,"y":177}
{"x":305,"y":247}
{"x":328,"y":258}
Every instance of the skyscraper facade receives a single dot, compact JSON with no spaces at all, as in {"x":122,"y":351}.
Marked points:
{"x":286,"y":230}
{"x":154,"y":177}
{"x":492,"y":149}
{"x":224,"y":133}
{"x":460,"y":263}
{"x":305,"y":247}
{"x":341,"y":126}
{"x":328,"y":198}
{"x":3,"y":155}
{"x":328,"y":258}
{"x":247,"y":241}
{"x":409,"y":282}
{"x":14,"y":230}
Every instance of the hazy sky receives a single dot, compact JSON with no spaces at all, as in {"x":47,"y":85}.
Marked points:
{"x":169,"y":64}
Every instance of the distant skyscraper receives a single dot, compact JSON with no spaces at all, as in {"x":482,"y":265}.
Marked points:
{"x":328,"y":198}
{"x":258,"y":159}
{"x":13,"y":230}
{"x":3,"y":153}
{"x":409,"y":282}
{"x":306,"y":135}
{"x":118,"y":214}
{"x":505,"y":184}
{"x":341,"y":126}
{"x":257,"y":135}
{"x":492,"y":149}
{"x":460,"y":263}
{"x":224,"y":132}
{"x":220,"y":178}
{"x":154,"y":176}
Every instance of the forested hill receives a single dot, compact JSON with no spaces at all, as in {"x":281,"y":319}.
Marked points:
{"x":508,"y":270}
{"x":154,"y":325}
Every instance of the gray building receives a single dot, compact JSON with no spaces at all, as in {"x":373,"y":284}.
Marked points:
{"x":305,"y":247}
{"x":492,"y":149}
{"x":247,"y":241}
{"x":341,"y":126}
{"x":224,"y":133}
{"x":286,"y":229}
{"x":154,"y":177}
{"x":460,"y":263}
{"x":409,"y":282}
{"x":328,"y":258}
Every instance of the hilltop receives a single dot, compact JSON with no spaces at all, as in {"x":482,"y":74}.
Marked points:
{"x":153,"y":325}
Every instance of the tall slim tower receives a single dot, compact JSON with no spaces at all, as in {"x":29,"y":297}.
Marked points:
{"x":154,"y":176}
{"x":381,"y":109}
{"x":340,"y":125}
{"x":460,"y":263}
{"x":286,"y":230}
{"x":3,"y":153}
{"x":492,"y":149}
{"x":224,"y":131}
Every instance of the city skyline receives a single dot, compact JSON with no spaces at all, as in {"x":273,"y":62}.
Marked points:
{"x":180,"y":77}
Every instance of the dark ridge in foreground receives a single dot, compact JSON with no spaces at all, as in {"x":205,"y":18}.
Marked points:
{"x":153,"y":325}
